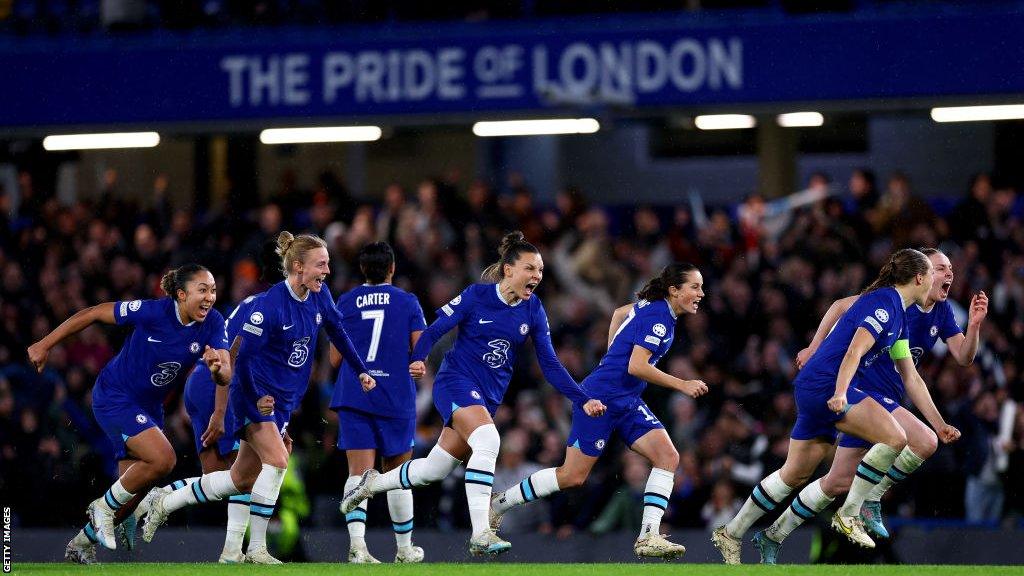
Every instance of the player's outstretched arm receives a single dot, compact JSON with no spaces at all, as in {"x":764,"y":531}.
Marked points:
{"x":964,"y":347}
{"x":640,"y":366}
{"x":38,"y":352}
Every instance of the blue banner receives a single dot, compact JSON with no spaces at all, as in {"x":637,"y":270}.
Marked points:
{"x":301,"y":77}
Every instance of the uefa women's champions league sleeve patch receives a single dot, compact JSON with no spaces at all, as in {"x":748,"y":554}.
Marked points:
{"x":882,"y":315}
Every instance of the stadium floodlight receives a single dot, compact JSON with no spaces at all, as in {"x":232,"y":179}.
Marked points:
{"x":978,"y":113}
{"x":320,"y":134}
{"x":724,"y":121}
{"x":101,"y":141}
{"x":800,"y":119}
{"x":537,"y":127}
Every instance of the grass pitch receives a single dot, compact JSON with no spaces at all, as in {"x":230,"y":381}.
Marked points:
{"x":500,"y":569}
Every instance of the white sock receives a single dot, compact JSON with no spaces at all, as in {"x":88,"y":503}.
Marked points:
{"x":356,"y":519}
{"x":263,"y":499}
{"x":811,"y":500}
{"x":869,"y":473}
{"x":764,"y":498}
{"x":904,"y":465}
{"x":400,"y":506}
{"x":143,"y":506}
{"x":238,"y":520}
{"x":116,"y":496}
{"x":419,"y":472}
{"x":86,"y":536}
{"x":212,"y":487}
{"x":485,"y":442}
{"x":656,"y":495}
{"x":537,"y":485}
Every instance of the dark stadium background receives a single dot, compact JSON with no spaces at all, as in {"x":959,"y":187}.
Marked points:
{"x":606,"y":209}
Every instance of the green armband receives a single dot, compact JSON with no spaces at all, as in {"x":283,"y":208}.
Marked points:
{"x":900,"y":350}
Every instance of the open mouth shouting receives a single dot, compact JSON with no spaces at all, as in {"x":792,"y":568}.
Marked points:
{"x":528,"y":289}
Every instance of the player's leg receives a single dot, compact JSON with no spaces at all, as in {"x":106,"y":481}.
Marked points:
{"x":921,"y":444}
{"x":804,"y":456}
{"x":867,"y":420}
{"x":359,"y":461}
{"x":213,"y":460}
{"x":82,"y":548}
{"x":446,"y":455}
{"x":265,"y":438}
{"x":210,"y":487}
{"x":396,"y":438}
{"x":400,"y":506}
{"x":586,"y":442}
{"x":450,"y":451}
{"x":153,"y":459}
{"x":814,"y":498}
{"x":656,"y":446}
{"x":474,"y":425}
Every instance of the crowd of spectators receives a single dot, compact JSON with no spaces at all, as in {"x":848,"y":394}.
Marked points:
{"x":771,"y":267}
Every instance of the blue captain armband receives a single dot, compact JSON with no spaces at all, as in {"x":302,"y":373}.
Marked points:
{"x":900,"y":350}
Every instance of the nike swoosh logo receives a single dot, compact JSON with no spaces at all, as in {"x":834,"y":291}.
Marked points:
{"x":287,"y":327}
{"x":482,"y":321}
{"x":151,"y":339}
{"x":842,"y":526}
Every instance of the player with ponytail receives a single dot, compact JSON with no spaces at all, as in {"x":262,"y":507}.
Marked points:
{"x":272,"y":369}
{"x":494,"y":319}
{"x":829,"y":400}
{"x":170,"y":336}
{"x":641,"y":335}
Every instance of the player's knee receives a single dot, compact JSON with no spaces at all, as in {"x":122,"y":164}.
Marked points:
{"x":485,"y":441}
{"x":571,"y":478}
{"x":668,"y":459}
{"x":924,"y":444}
{"x":834,"y":485}
{"x":164,"y":465}
{"x":896,"y":438}
{"x":277,"y":458}
{"x":793,"y":478}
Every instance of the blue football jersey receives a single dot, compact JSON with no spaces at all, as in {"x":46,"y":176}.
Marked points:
{"x":233,"y":324}
{"x":278,"y":337}
{"x":924,"y":329}
{"x":379,"y":319}
{"x":490,"y":334}
{"x":881,"y":313}
{"x":161,"y":351}
{"x":651,"y":325}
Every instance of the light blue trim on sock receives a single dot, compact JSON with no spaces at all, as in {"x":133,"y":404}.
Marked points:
{"x":480,"y":477}
{"x":656,"y":500}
